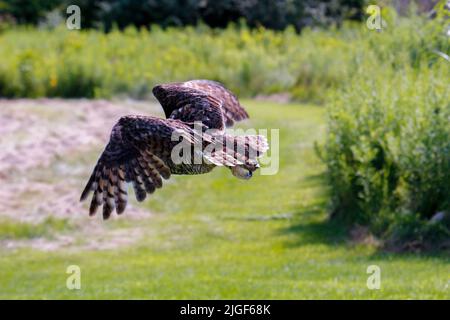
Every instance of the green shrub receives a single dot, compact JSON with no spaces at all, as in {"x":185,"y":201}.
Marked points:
{"x":388,"y":143}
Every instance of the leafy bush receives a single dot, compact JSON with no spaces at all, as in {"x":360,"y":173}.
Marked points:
{"x":388,"y":142}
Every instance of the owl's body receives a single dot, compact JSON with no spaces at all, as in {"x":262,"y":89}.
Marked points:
{"x":192,"y":140}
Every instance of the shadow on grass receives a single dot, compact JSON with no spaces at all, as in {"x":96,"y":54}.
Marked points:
{"x":314,"y":181}
{"x":411,"y":256}
{"x":327,"y":231}
{"x":335,"y":233}
{"x":311,"y":225}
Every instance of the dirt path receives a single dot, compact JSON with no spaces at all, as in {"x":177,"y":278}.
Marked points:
{"x":48,"y":148}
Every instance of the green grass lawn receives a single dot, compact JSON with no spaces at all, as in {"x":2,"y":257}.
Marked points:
{"x":217,"y":237}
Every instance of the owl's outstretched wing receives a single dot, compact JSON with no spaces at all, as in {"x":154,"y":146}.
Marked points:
{"x":190,"y":105}
{"x":232,"y":109}
{"x":139,"y":152}
{"x":200,"y":100}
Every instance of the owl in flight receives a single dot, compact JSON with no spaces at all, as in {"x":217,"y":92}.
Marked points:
{"x":143,"y":150}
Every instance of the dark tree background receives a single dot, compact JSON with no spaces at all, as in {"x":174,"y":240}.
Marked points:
{"x":272,"y":14}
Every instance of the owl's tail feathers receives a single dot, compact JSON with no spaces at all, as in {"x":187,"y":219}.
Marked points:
{"x":239,"y":150}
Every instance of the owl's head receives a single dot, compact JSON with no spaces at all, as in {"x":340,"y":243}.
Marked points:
{"x":244,"y":171}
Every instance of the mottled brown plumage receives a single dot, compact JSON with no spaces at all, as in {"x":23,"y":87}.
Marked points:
{"x":219,"y":96}
{"x":140,"y":147}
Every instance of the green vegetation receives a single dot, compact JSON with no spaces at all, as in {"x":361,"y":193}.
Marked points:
{"x":388,"y":155}
{"x":226,"y":238}
{"x":92,"y":64}
{"x":11,"y":229}
{"x":388,"y":143}
{"x":68,"y":63}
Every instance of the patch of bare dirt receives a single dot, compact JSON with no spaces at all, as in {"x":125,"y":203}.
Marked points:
{"x":48,"y":149}
{"x":276,"y":97}
{"x":34,"y":132}
{"x":92,"y":237}
{"x":362,"y":235}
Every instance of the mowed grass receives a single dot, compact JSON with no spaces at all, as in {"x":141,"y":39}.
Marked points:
{"x":216,"y":237}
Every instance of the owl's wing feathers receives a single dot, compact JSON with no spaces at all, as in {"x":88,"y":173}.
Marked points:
{"x":206,"y":95}
{"x":233,"y":111}
{"x":138,"y":152}
{"x":190,"y":105}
